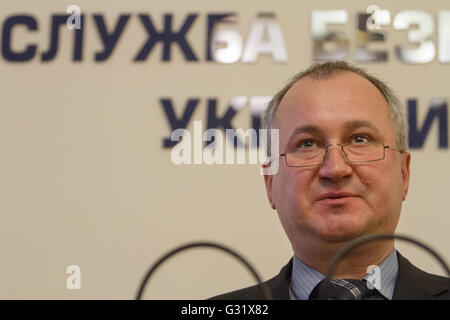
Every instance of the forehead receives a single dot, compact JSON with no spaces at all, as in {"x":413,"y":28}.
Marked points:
{"x":331,"y":104}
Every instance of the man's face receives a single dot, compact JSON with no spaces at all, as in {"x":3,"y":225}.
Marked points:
{"x":333,"y":111}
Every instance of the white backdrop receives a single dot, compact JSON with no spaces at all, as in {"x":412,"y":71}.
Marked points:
{"x":86,"y":181}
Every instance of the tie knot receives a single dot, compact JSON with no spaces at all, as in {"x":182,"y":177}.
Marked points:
{"x":343,"y":289}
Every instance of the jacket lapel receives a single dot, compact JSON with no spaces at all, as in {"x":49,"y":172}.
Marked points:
{"x":279,"y":285}
{"x":411,"y":284}
{"x":414,"y":284}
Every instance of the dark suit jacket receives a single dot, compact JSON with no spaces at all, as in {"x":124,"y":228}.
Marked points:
{"x":411,"y":284}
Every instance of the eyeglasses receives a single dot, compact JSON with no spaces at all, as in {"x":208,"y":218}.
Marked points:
{"x":355,"y":153}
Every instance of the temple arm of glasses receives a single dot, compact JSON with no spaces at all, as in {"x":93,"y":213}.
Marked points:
{"x":392,"y":148}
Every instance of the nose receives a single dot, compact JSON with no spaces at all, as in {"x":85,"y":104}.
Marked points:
{"x":335,"y":165}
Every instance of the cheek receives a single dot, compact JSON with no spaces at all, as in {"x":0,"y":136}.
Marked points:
{"x":381,"y":186}
{"x":366,"y":180}
{"x":292,"y":199}
{"x":374,"y":188}
{"x":292,"y":190}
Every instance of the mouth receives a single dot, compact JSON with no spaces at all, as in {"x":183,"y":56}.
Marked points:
{"x":336,"y":198}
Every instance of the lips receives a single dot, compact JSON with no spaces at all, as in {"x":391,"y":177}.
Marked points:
{"x":336,"y":195}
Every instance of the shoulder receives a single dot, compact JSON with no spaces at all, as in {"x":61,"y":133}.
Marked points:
{"x":414,"y":283}
{"x":278,"y":287}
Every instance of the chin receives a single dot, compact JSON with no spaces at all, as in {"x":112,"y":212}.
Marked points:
{"x":342,"y":232}
{"x":341,"y":237}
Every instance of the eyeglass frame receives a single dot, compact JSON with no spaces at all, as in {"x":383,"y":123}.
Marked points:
{"x":344,"y":153}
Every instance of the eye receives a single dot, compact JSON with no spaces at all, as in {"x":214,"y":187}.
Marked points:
{"x":308,"y":144}
{"x":360,"y":139}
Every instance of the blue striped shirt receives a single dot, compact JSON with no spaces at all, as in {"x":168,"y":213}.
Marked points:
{"x":305,"y":278}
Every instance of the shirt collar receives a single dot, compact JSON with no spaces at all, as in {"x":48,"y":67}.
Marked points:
{"x":305,"y":278}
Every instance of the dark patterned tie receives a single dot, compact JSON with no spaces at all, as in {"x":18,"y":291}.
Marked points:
{"x":344,"y":289}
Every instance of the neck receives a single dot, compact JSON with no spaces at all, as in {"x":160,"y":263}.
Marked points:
{"x":353,"y":266}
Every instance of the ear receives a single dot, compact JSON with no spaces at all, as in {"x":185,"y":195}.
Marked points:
{"x":268,"y":180}
{"x":406,"y":159}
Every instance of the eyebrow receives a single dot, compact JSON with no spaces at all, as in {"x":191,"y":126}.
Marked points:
{"x":349,"y":126}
